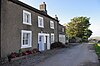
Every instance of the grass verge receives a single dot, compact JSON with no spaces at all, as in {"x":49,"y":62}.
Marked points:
{"x":97,"y":49}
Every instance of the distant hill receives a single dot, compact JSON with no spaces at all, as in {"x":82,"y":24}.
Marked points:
{"x":97,"y":38}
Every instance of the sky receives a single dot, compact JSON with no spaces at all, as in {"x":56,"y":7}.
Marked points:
{"x":68,"y":9}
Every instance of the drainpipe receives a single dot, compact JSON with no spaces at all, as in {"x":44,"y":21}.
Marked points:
{"x":57,"y":29}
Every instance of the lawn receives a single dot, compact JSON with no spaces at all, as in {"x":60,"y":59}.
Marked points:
{"x":97,"y":49}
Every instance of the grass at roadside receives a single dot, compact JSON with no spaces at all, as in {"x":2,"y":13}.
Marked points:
{"x":97,"y":49}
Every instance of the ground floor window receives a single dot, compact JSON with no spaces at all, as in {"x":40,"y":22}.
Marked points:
{"x":62,"y":38}
{"x":26,"y":39}
{"x":52,"y":37}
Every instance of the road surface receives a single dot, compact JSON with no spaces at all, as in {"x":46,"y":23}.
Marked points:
{"x":80,"y":55}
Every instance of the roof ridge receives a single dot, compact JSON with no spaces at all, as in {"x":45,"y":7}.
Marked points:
{"x":32,"y":8}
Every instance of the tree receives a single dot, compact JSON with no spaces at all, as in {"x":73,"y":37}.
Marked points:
{"x":79,"y":27}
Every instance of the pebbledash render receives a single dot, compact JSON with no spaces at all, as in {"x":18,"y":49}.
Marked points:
{"x":25,"y":27}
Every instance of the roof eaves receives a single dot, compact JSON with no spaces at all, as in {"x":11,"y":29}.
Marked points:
{"x":32,"y":8}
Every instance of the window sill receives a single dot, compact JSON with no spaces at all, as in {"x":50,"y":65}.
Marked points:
{"x":40,"y":26}
{"x":27,"y":23}
{"x":26,"y":47}
{"x":52,"y":28}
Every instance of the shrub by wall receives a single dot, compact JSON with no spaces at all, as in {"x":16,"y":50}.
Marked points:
{"x":57,"y":45}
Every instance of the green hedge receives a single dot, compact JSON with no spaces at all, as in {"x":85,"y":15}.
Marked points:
{"x":97,"y":49}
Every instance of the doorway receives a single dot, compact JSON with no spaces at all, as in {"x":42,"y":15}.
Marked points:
{"x":43,"y":41}
{"x":46,"y":41}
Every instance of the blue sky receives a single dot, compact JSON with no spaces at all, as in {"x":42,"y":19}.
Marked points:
{"x":67,"y":9}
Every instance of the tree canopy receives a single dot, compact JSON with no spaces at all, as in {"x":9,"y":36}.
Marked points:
{"x":79,"y":27}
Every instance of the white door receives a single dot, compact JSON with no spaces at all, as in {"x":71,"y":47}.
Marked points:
{"x":41,"y":42}
{"x":46,"y":41}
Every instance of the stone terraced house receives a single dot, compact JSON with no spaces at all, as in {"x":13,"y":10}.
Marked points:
{"x":25,"y":27}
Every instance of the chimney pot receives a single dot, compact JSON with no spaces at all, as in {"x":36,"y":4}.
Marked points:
{"x":43,"y":7}
{"x":56,"y":17}
{"x":43,"y":2}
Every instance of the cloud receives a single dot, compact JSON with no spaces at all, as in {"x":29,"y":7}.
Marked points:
{"x":96,"y":29}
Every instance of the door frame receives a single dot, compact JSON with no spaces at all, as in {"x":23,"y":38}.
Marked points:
{"x":48,"y":41}
{"x":41,"y":47}
{"x":47,"y":46}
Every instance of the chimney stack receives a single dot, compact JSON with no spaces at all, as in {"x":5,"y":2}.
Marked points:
{"x":43,"y":7}
{"x":56,"y":17}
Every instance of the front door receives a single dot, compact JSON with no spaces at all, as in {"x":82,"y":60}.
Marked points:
{"x":41,"y":42}
{"x":46,"y":41}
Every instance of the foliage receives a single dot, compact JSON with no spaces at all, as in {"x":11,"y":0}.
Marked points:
{"x":97,"y":49}
{"x":57,"y":45}
{"x":26,"y":52}
{"x":13,"y":55}
{"x":78,"y":27}
{"x":20,"y":53}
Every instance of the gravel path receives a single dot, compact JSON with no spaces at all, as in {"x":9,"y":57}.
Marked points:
{"x":31,"y":60}
{"x":81,"y":55}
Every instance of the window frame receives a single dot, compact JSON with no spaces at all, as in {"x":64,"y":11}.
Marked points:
{"x":29,"y":19}
{"x":52,"y":38}
{"x":42,"y":24}
{"x":63,"y":29}
{"x":51,"y":24}
{"x":30,"y":39}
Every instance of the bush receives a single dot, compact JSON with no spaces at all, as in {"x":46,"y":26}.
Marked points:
{"x":66,"y":43}
{"x":20,"y":53}
{"x":13,"y":55}
{"x":26,"y":52}
{"x":97,"y":49}
{"x":99,"y":41}
{"x":57,"y":45}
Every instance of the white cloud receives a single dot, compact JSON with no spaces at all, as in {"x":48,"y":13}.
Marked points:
{"x":96,"y":29}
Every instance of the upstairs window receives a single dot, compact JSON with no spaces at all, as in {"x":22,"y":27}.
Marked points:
{"x":51,"y":24}
{"x":40,"y":22}
{"x":26,"y":39}
{"x":26,"y":17}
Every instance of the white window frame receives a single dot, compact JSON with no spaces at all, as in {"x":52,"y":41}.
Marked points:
{"x":52,"y":34}
{"x":25,"y":18}
{"x":30,"y":39}
{"x":51,"y":24}
{"x":63,"y":30}
{"x":62,"y":38}
{"x":39,"y":23}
